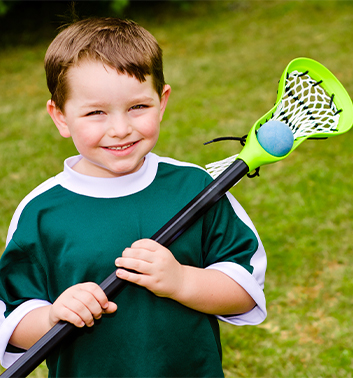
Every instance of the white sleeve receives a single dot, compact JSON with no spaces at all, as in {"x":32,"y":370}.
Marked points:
{"x":253,"y":282}
{"x":240,"y":275}
{"x":8,"y":325}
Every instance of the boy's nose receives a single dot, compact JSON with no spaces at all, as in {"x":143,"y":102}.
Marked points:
{"x":119,"y":127}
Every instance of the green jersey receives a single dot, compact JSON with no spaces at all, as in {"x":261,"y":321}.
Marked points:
{"x":72,"y":228}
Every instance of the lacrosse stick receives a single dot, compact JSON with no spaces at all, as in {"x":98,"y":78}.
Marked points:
{"x":310,"y":100}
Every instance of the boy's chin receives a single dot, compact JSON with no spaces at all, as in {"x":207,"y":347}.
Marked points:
{"x":95,"y":169}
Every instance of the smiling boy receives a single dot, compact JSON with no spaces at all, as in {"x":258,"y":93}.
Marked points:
{"x":113,"y":119}
{"x":109,"y":96}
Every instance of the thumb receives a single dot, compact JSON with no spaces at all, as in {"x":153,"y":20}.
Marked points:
{"x":112,"y":307}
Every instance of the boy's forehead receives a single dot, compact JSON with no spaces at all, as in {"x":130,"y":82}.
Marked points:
{"x":94,"y":80}
{"x":87,"y":69}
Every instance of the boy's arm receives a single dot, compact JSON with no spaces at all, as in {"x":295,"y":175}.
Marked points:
{"x":79,"y":305}
{"x":206,"y":290}
{"x":31,"y":328}
{"x":213,"y":292}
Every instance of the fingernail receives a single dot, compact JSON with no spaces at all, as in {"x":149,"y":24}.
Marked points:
{"x":120,"y":273}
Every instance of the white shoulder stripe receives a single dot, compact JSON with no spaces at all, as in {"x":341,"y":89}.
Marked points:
{"x":178,"y":163}
{"x":252,"y":283}
{"x":259,"y":260}
{"x":45,"y":186}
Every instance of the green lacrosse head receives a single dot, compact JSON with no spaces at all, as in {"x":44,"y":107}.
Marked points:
{"x":311,"y":101}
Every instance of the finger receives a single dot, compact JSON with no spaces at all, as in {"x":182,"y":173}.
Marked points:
{"x":112,"y":307}
{"x":148,"y":248}
{"x":97,"y":293}
{"x":138,"y":254}
{"x":136,"y":265}
{"x":139,"y":279}
{"x":149,"y":244}
{"x":76,"y":313}
{"x":61,"y":312}
{"x":70,"y":316}
{"x":86,"y":301}
{"x":87,"y":311}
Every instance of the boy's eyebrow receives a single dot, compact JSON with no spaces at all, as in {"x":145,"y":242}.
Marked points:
{"x":94,"y":104}
{"x":139,"y":99}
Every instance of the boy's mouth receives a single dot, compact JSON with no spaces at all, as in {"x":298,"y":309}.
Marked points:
{"x":121,"y":148}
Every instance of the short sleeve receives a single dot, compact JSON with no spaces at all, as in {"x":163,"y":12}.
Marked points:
{"x":21,"y":277}
{"x":227,"y":237}
{"x":235,"y":248}
{"x":22,"y":289}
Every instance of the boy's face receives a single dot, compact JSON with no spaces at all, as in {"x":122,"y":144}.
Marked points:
{"x":112,"y":118}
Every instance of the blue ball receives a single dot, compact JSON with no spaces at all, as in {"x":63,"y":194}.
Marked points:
{"x":276,"y":138}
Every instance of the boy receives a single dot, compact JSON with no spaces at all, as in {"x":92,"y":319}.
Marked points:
{"x":109,"y":95}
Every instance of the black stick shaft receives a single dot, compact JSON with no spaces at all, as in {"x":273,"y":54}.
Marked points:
{"x":112,"y":284}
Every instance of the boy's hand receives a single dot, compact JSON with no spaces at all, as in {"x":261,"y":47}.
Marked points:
{"x":158,"y":269}
{"x":205,"y":290}
{"x":80,"y":305}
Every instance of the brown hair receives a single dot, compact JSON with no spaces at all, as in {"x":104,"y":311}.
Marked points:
{"x":121,"y":44}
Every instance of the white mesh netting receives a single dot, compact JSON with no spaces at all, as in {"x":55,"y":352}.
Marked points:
{"x":305,"y":107}
{"x":216,"y":168}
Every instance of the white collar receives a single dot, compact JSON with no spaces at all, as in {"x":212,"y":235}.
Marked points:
{"x":108,"y":187}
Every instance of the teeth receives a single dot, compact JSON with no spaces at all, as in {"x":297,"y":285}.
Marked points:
{"x":120,"y":148}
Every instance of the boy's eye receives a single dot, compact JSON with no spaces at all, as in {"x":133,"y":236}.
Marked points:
{"x":96,"y":112}
{"x":140,"y":106}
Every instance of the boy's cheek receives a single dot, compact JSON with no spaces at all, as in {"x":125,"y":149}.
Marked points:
{"x":85,"y":139}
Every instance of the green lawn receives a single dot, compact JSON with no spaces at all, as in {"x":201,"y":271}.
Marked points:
{"x":223,"y":60}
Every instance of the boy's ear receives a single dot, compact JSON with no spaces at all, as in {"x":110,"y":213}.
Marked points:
{"x":58,"y":118}
{"x":164,"y":99}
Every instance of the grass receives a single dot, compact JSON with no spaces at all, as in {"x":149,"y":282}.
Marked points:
{"x":223,"y":61}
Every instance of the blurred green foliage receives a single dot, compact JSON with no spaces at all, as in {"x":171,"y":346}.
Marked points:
{"x":29,"y":22}
{"x":117,"y":6}
{"x":3,"y":8}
